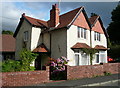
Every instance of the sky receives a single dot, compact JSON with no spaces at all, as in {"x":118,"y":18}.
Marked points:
{"x":11,"y":11}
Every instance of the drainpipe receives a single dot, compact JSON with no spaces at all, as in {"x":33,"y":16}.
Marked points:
{"x":50,"y":43}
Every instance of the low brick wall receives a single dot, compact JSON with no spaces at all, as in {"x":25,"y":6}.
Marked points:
{"x":75,"y":72}
{"x":25,"y":78}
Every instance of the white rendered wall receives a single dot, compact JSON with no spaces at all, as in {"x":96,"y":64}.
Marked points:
{"x":72,"y":39}
{"x":103,"y":40}
{"x":35,"y":37}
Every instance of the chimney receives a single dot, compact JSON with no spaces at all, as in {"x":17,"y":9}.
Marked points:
{"x":54,"y":16}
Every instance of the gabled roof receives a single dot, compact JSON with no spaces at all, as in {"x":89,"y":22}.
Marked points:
{"x":41,"y":48}
{"x":8,"y":43}
{"x":93,"y":21}
{"x":100,"y":47}
{"x":36,"y":22}
{"x":80,"y":45}
{"x":66,"y":20}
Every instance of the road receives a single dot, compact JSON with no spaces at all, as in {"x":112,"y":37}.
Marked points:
{"x":111,"y":81}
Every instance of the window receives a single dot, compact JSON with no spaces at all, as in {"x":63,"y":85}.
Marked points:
{"x":96,"y":36}
{"x":76,"y":59}
{"x":81,"y":33}
{"x":100,"y":57}
{"x":26,"y":36}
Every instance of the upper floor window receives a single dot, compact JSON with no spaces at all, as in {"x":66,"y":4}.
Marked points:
{"x":96,"y":36}
{"x":81,"y":33}
{"x":26,"y":36}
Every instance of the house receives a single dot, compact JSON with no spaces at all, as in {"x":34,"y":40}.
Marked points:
{"x":63,"y":35}
{"x":8,"y":46}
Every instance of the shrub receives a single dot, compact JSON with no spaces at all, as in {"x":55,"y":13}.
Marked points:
{"x":26,"y":56}
{"x":10,"y":66}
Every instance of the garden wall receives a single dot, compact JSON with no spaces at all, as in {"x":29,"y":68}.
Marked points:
{"x":73,"y":72}
{"x":25,"y":78}
{"x":76,"y":72}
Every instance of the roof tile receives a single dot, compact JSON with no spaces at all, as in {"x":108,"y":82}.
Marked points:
{"x":80,"y":45}
{"x":100,"y":47}
{"x":8,"y":43}
{"x":41,"y":48}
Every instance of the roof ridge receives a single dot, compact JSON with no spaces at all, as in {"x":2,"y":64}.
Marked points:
{"x":35,"y":18}
{"x":72,"y":11}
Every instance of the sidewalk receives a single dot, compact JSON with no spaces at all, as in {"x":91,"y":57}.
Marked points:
{"x":85,"y":81}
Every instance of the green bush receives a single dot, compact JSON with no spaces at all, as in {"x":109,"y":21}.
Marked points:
{"x":26,"y":58}
{"x":10,"y":66}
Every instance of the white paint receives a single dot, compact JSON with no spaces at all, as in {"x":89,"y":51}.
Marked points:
{"x":72,"y":39}
{"x":103,"y":40}
{"x":35,"y":37}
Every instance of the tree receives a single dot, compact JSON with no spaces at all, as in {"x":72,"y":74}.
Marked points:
{"x":114,"y":27}
{"x":7,"y":32}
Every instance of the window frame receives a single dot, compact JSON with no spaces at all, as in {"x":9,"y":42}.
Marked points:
{"x":26,"y":36}
{"x":97,"y":36}
{"x":82,"y":33}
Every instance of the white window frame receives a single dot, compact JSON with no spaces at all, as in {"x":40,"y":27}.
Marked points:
{"x":26,"y":36}
{"x":82,"y":33}
{"x":97,"y":36}
{"x":100,"y":59}
{"x":79,"y":53}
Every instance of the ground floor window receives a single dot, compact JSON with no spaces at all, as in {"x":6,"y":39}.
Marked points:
{"x":81,"y":59}
{"x":100,"y":57}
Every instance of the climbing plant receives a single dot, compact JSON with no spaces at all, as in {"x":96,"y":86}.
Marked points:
{"x":91,"y":52}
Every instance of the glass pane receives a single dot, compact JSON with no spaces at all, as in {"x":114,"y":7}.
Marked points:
{"x":97,"y":58}
{"x":84,"y":59}
{"x":94,"y":35}
{"x":76,"y":59}
{"x":85,"y":33}
{"x":81,"y":32}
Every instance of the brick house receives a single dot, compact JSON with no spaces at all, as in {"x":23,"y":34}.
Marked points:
{"x":8,"y":47}
{"x":63,"y":35}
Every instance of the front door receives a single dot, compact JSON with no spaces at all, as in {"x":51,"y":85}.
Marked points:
{"x":38,"y":63}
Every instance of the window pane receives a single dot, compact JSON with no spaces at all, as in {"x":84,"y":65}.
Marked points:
{"x":95,"y":35}
{"x":76,"y":59}
{"x":97,"y":58}
{"x":25,"y":35}
{"x":99,"y":36}
{"x":81,"y":32}
{"x":85,"y":33}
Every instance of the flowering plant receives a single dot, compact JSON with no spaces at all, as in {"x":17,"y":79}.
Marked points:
{"x":58,"y":68}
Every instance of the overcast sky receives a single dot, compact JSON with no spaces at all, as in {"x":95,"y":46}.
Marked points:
{"x":11,"y":11}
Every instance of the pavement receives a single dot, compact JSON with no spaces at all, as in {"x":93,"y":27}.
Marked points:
{"x":85,"y":82}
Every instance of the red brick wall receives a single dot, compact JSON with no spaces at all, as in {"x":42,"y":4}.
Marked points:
{"x":25,"y":78}
{"x":75,"y":72}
